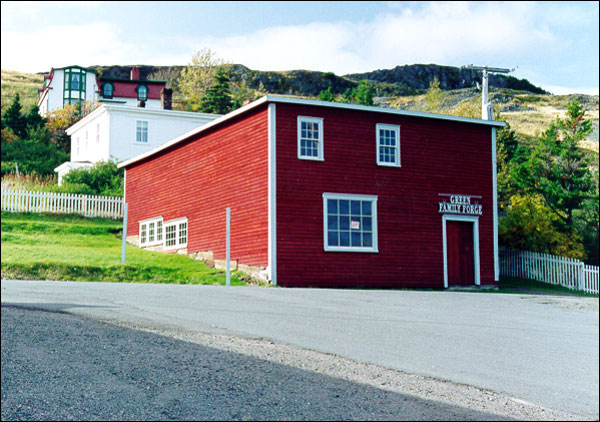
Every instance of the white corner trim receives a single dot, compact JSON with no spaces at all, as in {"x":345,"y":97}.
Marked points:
{"x":475,"y":221}
{"x":272,"y":183}
{"x":495,"y":206}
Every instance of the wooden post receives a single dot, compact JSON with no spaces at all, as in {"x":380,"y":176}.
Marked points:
{"x":228,"y":246}
{"x":124,"y":243}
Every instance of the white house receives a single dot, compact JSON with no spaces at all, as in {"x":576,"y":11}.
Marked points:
{"x":120,"y":132}
{"x":75,"y":84}
{"x":67,"y":85}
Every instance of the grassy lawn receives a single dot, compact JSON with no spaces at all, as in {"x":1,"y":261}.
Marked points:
{"x":74,"y":248}
{"x":520,"y":285}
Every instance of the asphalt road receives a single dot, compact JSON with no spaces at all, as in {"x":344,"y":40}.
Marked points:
{"x":57,"y":366}
{"x":539,"y":349}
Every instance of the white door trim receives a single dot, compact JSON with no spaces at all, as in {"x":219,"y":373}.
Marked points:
{"x":467,"y":218}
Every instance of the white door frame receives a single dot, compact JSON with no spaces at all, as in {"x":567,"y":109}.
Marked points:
{"x":470,"y":219}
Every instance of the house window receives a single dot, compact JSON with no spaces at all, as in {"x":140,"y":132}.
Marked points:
{"x":142,"y":91}
{"x":310,"y":138}
{"x":107,"y":90}
{"x":176,"y":233}
{"x":388,"y":145}
{"x":350,"y":222}
{"x":151,"y":232}
{"x":74,"y":86}
{"x":141,"y":134}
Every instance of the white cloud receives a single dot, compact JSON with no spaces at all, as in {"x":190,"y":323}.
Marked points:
{"x":563,"y":90}
{"x":496,"y":34}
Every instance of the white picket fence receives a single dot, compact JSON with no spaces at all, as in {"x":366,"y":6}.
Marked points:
{"x":558,"y":270}
{"x":62,"y":203}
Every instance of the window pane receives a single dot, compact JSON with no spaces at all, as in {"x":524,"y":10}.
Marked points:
{"x":355,"y":208}
{"x":367,"y":224}
{"x":332,"y":222}
{"x":344,"y":238}
{"x":344,"y":207}
{"x":345,"y":223}
{"x":332,"y":238}
{"x":356,"y":239}
{"x":366,"y":207}
{"x":367,"y":239}
{"x":332,"y":206}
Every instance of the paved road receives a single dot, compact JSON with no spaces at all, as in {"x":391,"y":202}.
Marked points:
{"x":57,"y":366}
{"x":540,"y":349}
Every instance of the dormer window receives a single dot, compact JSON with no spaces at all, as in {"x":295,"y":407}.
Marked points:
{"x":107,"y":90}
{"x":142,"y":91}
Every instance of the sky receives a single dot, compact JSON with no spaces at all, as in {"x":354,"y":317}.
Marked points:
{"x":552,"y":44}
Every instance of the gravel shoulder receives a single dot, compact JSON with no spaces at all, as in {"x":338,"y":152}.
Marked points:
{"x":419,"y":387}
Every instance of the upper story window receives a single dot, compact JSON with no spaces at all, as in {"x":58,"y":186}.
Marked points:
{"x":142,"y":92}
{"x":310,"y":138}
{"x":388,"y":145}
{"x":107,"y":90}
{"x":141,"y":133}
{"x":74,"y":86}
{"x":350,"y":222}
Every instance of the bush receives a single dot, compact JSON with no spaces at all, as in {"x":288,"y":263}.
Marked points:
{"x":33,"y":156}
{"x":101,"y":179}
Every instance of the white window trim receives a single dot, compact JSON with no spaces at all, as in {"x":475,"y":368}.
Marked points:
{"x":469,"y":219}
{"x":395,"y":128}
{"x":175,"y":223}
{"x":318,"y":120}
{"x":373,"y":200}
{"x":146,"y":224}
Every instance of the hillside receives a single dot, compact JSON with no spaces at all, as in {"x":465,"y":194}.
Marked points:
{"x":527,"y":108}
{"x":25,"y":84}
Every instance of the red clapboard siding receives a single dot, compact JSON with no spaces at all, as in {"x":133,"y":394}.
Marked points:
{"x":437,"y":156}
{"x":199,"y":178}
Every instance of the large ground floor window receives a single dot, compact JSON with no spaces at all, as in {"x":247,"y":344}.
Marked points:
{"x":350,"y":222}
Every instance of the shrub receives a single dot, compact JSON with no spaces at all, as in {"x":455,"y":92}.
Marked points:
{"x":101,"y":179}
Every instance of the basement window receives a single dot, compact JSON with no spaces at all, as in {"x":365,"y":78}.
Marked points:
{"x":176,"y":233}
{"x":310,"y":138}
{"x":151,"y":232}
{"x":349,"y":223}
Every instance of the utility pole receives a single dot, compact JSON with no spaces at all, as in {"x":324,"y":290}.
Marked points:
{"x":487,"y":109}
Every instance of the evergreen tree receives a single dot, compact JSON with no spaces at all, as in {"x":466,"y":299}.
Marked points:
{"x":218,"y":97}
{"x":326,"y":95}
{"x":364,"y":94}
{"x":558,"y":169}
{"x":14,"y":119}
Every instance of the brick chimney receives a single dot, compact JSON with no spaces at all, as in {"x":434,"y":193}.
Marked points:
{"x":166,"y":96}
{"x":135,"y":74}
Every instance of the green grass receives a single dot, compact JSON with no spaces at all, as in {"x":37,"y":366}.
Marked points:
{"x":520,"y":286}
{"x":74,"y":248}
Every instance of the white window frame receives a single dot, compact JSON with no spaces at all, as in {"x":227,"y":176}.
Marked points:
{"x":396,"y":129}
{"x":343,"y":196}
{"x":140,"y":131}
{"x":178,"y":229}
{"x":145,"y":228}
{"x":319,"y":121}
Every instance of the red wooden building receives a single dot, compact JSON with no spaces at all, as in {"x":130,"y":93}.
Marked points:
{"x":326,"y":194}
